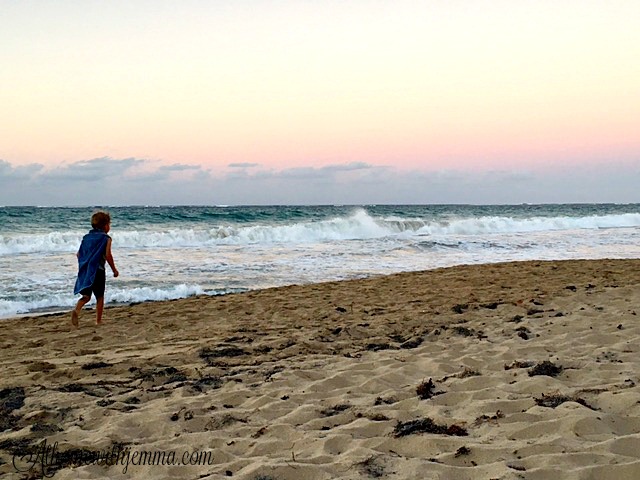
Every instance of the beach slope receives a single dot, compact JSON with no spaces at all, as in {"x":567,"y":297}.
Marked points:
{"x":504,"y":371}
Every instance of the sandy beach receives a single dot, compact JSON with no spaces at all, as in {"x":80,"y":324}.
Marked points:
{"x":505,"y":371}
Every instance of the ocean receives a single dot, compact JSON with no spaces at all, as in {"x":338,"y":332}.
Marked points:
{"x":174,"y":252}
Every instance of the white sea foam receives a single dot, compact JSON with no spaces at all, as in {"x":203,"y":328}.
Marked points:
{"x":142,"y":294}
{"x":358,"y":226}
{"x":490,"y":225}
{"x":39,"y":242}
{"x":112,"y":295}
{"x":14,"y":307}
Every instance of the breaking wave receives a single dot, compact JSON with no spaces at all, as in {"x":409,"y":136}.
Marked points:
{"x":358,"y":226}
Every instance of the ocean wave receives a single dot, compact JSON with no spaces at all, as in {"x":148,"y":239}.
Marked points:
{"x":360,"y":225}
{"x":145,"y":294}
{"x":57,"y":302}
{"x":10,"y":308}
{"x":501,"y":225}
{"x":40,"y":242}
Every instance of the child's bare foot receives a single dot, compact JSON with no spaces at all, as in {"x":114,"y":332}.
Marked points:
{"x":74,"y":319}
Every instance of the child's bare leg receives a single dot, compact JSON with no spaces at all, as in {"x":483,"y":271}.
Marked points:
{"x":76,"y":311}
{"x":99,"y":309}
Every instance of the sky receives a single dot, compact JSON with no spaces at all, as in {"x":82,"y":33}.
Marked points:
{"x":319,"y":102}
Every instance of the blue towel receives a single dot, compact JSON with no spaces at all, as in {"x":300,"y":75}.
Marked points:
{"x":91,"y":257}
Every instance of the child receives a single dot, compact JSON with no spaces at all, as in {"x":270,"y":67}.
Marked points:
{"x":94,"y":250}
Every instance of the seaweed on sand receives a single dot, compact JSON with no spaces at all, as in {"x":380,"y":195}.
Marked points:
{"x":209,"y":354}
{"x":555,"y":400}
{"x":10,"y":399}
{"x":372,"y":467}
{"x":546,"y":368}
{"x":335,"y":410}
{"x":427,"y":425}
{"x":426,"y":390}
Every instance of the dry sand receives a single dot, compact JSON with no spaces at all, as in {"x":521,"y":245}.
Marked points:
{"x":331,"y":380}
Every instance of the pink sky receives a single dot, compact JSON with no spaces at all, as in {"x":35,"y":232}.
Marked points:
{"x":424,"y":84}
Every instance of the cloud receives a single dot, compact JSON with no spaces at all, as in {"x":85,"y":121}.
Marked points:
{"x":327,"y":172}
{"x":349,"y":167}
{"x":133,"y":181}
{"x":303,"y":173}
{"x":94,"y":170}
{"x":9,"y":173}
{"x":179,"y":167}
{"x":96,"y":181}
{"x":243,"y":165}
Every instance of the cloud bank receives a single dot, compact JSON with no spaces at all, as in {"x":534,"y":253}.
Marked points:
{"x":134,"y":181}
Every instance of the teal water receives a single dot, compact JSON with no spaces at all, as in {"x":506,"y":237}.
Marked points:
{"x":172,"y":252}
{"x":41,"y":219}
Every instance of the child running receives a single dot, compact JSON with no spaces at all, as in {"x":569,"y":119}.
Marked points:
{"x":94,"y":251}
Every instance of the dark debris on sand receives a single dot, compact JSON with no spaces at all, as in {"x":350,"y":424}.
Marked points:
{"x":554,"y":400}
{"x":468,"y":332}
{"x":427,"y":425}
{"x":488,"y":418}
{"x":221,"y":351}
{"x":396,"y":337}
{"x":426,"y":390}
{"x":273,"y":371}
{"x":462,"y":451}
{"x":41,"y":367}
{"x":547,"y":368}
{"x":460,"y":308}
{"x":335,"y":410}
{"x":44,"y":429}
{"x":262,"y":349}
{"x":10,"y":399}
{"x":491,"y":305}
{"x":208,"y":382}
{"x":372,"y":467}
{"x":466,"y":373}
{"x":412,"y":343}
{"x":376,"y":347}
{"x":464,"y":331}
{"x":72,"y":388}
{"x":223,"y":421}
{"x":523,"y":333}
{"x":160,"y":375}
{"x":374,"y":417}
{"x":95,"y":365}
{"x":16,"y":445}
{"x":519,"y":364}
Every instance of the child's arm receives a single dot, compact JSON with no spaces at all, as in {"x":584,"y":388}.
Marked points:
{"x":109,"y":259}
